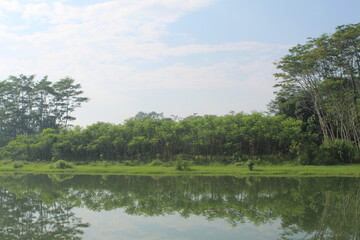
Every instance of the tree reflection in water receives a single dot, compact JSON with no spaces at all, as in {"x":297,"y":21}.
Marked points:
{"x":307,"y":208}
{"x":28,"y":218}
{"x":339,"y":219}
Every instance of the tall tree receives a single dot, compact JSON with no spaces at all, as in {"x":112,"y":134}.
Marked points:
{"x":328,"y":70}
{"x":27,"y":106}
{"x":67,"y":98}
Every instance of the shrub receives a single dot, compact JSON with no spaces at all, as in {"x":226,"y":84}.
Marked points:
{"x":329,"y":153}
{"x":18,"y":164}
{"x":238,"y":164}
{"x":62,"y":164}
{"x":323,"y":157}
{"x":250,"y":164}
{"x":343,"y":151}
{"x":308,"y":153}
{"x":5,"y":162}
{"x":182,"y":165}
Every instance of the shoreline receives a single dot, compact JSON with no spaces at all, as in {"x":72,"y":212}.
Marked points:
{"x":226,"y":170}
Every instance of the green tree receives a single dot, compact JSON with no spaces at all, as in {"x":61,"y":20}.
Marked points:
{"x":67,"y":98}
{"x":326,"y":69}
{"x":27,"y":106}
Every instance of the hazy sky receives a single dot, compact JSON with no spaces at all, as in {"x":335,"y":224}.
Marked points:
{"x":173,"y":56}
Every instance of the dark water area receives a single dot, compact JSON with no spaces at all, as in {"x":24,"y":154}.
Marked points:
{"x":183,"y":207}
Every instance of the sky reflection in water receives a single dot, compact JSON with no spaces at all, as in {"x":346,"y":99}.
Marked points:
{"x":116,"y":224}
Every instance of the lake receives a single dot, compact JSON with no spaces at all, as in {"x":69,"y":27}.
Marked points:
{"x":179,"y":207}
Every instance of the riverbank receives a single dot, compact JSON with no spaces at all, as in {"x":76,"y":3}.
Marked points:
{"x":216,"y":170}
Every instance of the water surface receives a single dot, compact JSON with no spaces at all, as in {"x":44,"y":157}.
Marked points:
{"x":140,"y":207}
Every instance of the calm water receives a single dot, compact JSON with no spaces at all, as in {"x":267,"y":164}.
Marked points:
{"x":134,"y":207}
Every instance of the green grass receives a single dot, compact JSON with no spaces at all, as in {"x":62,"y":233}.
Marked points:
{"x":219,"y":170}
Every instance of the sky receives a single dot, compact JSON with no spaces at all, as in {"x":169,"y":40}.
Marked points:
{"x":117,"y":224}
{"x":176,"y":57}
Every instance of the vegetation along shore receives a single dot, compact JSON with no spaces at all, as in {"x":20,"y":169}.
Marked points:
{"x":313,"y":120}
{"x":113,"y":168}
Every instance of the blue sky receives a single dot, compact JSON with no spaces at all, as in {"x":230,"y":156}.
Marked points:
{"x":173,"y":56}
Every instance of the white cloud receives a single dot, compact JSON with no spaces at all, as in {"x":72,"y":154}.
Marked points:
{"x":105,"y":45}
{"x":100,"y":37}
{"x":259,"y":74}
{"x":35,"y":11}
{"x":9,"y":5}
{"x":234,"y":46}
{"x":126,"y":28}
{"x":185,"y":76}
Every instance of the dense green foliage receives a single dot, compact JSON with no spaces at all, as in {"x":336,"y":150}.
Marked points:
{"x":233,"y":137}
{"x":61,"y":164}
{"x":27,"y":107}
{"x":320,"y":84}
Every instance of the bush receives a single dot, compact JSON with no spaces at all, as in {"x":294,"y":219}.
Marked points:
{"x":250,"y":164}
{"x":343,"y":151}
{"x":5,"y":162}
{"x":182,"y":165}
{"x":323,"y":157}
{"x":18,"y":164}
{"x":62,"y":164}
{"x":329,"y":153}
{"x":307,"y":154}
{"x":238,"y":164}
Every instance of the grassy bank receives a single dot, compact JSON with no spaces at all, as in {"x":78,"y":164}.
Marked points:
{"x":219,"y":170}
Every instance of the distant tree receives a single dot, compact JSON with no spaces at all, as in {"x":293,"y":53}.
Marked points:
{"x":201,"y":138}
{"x":27,"y":106}
{"x":152,"y":115}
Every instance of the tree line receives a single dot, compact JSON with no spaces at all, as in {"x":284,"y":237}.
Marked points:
{"x":149,"y":136}
{"x":315,"y":117}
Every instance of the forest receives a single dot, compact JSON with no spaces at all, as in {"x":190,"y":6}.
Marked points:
{"x":313,"y":119}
